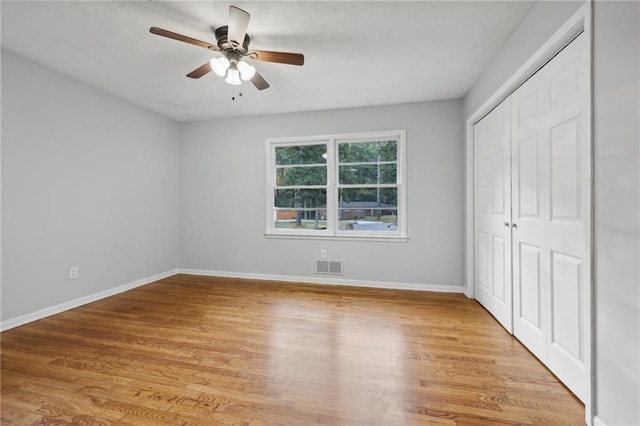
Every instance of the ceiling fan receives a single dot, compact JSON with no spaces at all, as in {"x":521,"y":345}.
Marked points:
{"x":233,"y":44}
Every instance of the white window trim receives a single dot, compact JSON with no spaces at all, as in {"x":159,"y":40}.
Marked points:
{"x":332,"y":233}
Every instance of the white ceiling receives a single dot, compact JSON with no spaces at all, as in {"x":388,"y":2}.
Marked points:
{"x":356,"y":53}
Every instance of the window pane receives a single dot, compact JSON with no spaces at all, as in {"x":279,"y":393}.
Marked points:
{"x":367,"y":152}
{"x":368,"y":209}
{"x":368,"y":174}
{"x":368,"y":197}
{"x":300,"y":198}
{"x":297,"y":219}
{"x":301,"y":209}
{"x":301,"y":154}
{"x":383,"y":223}
{"x":301,"y":176}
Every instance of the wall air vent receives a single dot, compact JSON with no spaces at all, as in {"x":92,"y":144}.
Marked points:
{"x":329,"y":267}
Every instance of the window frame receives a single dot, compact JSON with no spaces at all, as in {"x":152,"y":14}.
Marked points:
{"x":333,"y":186}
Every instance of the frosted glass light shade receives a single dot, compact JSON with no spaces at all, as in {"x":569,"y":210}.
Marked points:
{"x":233,"y":77}
{"x":246,"y":71}
{"x":220,"y":65}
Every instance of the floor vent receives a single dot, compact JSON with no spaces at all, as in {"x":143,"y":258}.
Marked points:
{"x":330,"y":267}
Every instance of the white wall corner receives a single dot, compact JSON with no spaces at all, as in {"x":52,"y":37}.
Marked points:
{"x":469,"y":277}
{"x":598,"y":422}
{"x":66,"y":306}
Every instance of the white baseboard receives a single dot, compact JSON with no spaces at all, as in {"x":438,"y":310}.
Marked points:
{"x":598,"y":422}
{"x":34,"y":316}
{"x":328,"y":281}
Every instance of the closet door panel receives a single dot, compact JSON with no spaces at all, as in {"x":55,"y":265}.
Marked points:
{"x":567,"y":298}
{"x":530,"y":287}
{"x":528,"y":181}
{"x":500,"y":281}
{"x":492,"y":153}
{"x":566,"y":173}
{"x":569,"y":217}
{"x":528,"y":167}
{"x":550,"y":160}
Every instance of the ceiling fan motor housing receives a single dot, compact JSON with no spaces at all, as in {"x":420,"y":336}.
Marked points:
{"x":229,"y":47}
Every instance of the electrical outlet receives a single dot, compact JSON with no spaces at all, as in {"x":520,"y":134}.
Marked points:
{"x":323,"y":254}
{"x":73,"y":272}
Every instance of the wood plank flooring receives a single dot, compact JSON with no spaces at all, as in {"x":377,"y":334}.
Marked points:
{"x":191,"y":350}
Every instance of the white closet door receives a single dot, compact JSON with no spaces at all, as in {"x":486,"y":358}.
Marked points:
{"x":492,"y":152}
{"x":550,"y":179}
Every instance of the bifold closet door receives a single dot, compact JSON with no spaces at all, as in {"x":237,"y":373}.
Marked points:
{"x":492,"y":239}
{"x":551,"y":214}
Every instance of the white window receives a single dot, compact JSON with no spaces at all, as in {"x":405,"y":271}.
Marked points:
{"x":346,"y":186}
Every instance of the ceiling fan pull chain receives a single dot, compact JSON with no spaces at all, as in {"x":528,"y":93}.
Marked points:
{"x":233,"y":95}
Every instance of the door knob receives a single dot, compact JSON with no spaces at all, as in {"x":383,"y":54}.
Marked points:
{"x":506,"y":224}
{"x":513,"y":225}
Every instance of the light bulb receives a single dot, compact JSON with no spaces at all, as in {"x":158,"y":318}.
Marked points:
{"x":246,"y":71}
{"x":233,"y":77}
{"x":219,"y":65}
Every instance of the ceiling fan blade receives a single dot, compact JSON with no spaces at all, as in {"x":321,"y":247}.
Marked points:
{"x":279,"y":57}
{"x":201,"y":71}
{"x":238,"y":23}
{"x":183,"y":38}
{"x":259,"y":81}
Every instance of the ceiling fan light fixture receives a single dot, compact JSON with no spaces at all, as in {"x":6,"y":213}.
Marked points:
{"x":233,"y":45}
{"x":220,"y":65}
{"x":246,"y":71}
{"x":233,"y":77}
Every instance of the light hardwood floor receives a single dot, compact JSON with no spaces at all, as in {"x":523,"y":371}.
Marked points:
{"x":191,"y":350}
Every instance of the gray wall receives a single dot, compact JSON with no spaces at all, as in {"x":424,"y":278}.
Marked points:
{"x":222,"y":187}
{"x":617,"y":210}
{"x":617,"y":185}
{"x":88,"y":180}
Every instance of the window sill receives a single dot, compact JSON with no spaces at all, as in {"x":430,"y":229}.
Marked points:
{"x":372,"y":238}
